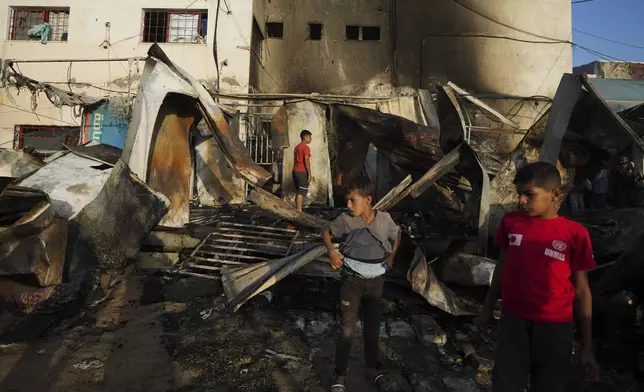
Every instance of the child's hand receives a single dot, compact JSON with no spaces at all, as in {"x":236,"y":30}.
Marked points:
{"x":587,"y":359}
{"x":336,"y":259}
{"x":390,"y":262}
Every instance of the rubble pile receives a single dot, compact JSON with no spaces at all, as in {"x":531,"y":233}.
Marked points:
{"x":184,"y":198}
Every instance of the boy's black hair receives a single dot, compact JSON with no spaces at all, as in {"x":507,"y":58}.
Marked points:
{"x":305,"y":133}
{"x":362,"y":185}
{"x":540,"y":174}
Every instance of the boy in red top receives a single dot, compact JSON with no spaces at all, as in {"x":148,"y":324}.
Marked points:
{"x":302,"y":168}
{"x":540,"y":274}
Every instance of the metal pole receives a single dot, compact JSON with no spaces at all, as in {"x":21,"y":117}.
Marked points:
{"x":75,"y":60}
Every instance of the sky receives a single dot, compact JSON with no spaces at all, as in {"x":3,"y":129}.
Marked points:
{"x":618,"y":20}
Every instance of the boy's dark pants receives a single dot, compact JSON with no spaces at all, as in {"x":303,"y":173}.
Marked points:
{"x":530,"y":350}
{"x":354,"y":291}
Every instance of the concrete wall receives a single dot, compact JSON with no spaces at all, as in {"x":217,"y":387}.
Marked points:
{"x":483,"y":64}
{"x":332,"y":64}
{"x":311,"y":116}
{"x":86,"y":33}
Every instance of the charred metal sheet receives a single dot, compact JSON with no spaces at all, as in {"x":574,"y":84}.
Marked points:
{"x":279,"y":129}
{"x":33,"y":240}
{"x":405,"y":107}
{"x":610,"y":112}
{"x":111,"y":227}
{"x":16,"y":164}
{"x":424,"y":282}
{"x":626,"y":273}
{"x":170,"y":167}
{"x":157,"y":82}
{"x":237,"y":244}
{"x":482,"y":105}
{"x":71,"y":182}
{"x":468,"y":270}
{"x":429,"y":109}
{"x":229,"y":141}
{"x":100,"y":152}
{"x":566,"y":98}
{"x":244,"y":282}
{"x":417,"y":143}
{"x":452,"y":120}
{"x":215,"y":180}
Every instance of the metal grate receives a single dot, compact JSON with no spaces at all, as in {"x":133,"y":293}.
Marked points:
{"x":175,"y":26}
{"x":238,"y":244}
{"x":24,"y":18}
{"x":258,"y":138}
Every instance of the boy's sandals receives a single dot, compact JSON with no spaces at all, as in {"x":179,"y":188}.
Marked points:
{"x":337,"y":388}
{"x":384,"y":383}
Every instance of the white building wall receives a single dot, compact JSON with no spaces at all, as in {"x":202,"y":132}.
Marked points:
{"x":87,"y":32}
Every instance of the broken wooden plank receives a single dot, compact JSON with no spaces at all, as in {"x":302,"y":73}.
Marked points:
{"x":280,"y":207}
{"x":482,"y":105}
{"x":447,"y":163}
{"x":393,"y":192}
{"x":199,"y":275}
{"x":437,"y":171}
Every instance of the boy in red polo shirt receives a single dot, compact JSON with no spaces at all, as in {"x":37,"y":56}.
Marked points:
{"x":540,"y":274}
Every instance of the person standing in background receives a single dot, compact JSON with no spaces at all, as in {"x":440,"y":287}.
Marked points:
{"x":624,"y":180}
{"x":600,"y":189}
{"x":302,"y":168}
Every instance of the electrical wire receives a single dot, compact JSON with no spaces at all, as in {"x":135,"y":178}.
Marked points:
{"x":214,"y":46}
{"x":608,"y":39}
{"x":517,"y":29}
{"x":259,"y":61}
{"x":477,"y":35}
{"x":38,"y":114}
{"x":479,"y":13}
{"x":581,"y":1}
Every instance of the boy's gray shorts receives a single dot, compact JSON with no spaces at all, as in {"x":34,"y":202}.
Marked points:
{"x":301,"y":181}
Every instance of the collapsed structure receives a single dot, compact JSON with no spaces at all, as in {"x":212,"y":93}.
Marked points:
{"x":175,"y":187}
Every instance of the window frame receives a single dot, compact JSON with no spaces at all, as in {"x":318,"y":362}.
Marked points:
{"x":170,"y":12}
{"x":20,"y":131}
{"x":321,"y":30}
{"x":361,"y":33}
{"x":45,"y":10}
{"x":268,"y":36}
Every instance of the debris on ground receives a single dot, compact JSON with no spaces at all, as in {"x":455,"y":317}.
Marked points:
{"x":178,"y":262}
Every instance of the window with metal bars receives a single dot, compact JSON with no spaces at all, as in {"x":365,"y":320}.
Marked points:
{"x":24,"y":18}
{"x":258,"y":139}
{"x":178,"y":26}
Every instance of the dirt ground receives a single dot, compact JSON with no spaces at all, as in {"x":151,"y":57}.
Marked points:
{"x":158,"y":333}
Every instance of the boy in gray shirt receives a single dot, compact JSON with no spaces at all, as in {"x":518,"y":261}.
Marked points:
{"x":365,"y":254}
